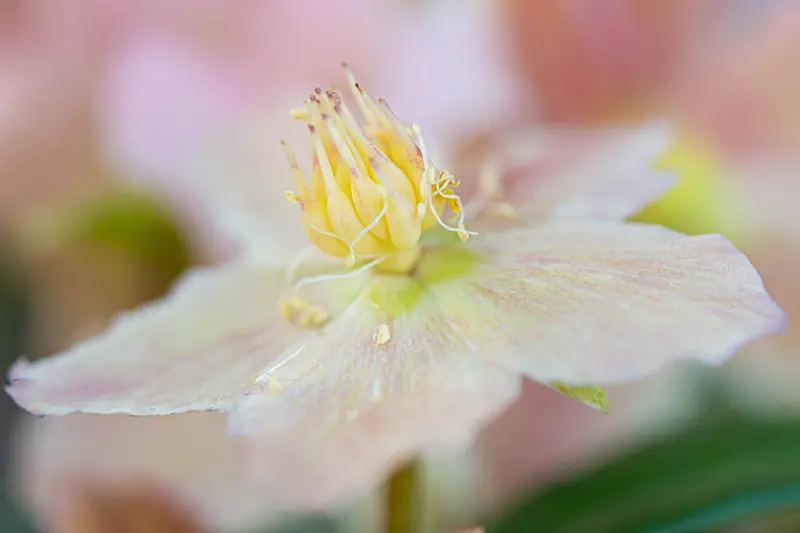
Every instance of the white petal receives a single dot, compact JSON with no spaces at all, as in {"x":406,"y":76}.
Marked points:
{"x":197,"y":349}
{"x":605,"y":302}
{"x":573,"y":173}
{"x":350,"y":410}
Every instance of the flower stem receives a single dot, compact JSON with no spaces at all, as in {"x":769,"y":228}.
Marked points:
{"x":403,"y":500}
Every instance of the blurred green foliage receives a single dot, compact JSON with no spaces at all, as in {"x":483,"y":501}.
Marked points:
{"x":12,"y":520}
{"x":709,"y":476}
{"x":309,"y":524}
{"x":119,"y":221}
{"x":14,"y":306}
{"x":15,"y":315}
{"x":129,"y":222}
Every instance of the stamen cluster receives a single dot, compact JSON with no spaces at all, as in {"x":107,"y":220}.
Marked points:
{"x":373,"y":191}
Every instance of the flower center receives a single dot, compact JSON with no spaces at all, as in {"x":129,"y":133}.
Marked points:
{"x":373,"y":191}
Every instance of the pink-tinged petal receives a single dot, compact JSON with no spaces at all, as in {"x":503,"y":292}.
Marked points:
{"x":606,"y":302}
{"x":198,"y":349}
{"x":575,"y":173}
{"x":345,"y":410}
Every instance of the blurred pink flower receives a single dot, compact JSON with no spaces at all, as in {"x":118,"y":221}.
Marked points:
{"x":338,"y":372}
{"x":169,"y":92}
{"x":589,"y":61}
{"x":740,"y":89}
{"x":163,"y":73}
{"x":141,"y":510}
{"x":46,"y":129}
{"x":188,"y":458}
{"x":170,"y":101}
{"x":52,"y":62}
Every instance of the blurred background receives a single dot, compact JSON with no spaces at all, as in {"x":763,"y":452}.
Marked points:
{"x":110,"y":110}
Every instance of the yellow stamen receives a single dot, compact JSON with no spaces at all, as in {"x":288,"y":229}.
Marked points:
{"x":298,"y":113}
{"x":373,"y":191}
{"x":292,"y":198}
{"x":274,"y":386}
{"x":502,"y":209}
{"x":383,"y":336}
{"x":297,"y":174}
{"x":303,"y":314}
{"x":421,"y":210}
{"x":463,"y":234}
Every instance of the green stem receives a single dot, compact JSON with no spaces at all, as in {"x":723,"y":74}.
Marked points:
{"x":403,"y":500}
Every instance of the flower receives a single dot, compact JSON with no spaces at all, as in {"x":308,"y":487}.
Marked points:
{"x":168,"y":101}
{"x":590,"y":61}
{"x":407,"y":326}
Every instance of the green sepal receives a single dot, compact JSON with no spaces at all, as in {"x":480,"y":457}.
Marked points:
{"x":595,"y":397}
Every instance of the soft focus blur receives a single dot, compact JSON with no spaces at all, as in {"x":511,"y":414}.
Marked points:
{"x":109,"y":108}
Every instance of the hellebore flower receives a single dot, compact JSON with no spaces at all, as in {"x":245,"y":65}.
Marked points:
{"x":415,"y":324}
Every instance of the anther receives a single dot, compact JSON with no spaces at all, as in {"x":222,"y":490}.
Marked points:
{"x":292,"y":198}
{"x":274,"y":386}
{"x":303,"y":314}
{"x":463,"y":234}
{"x":421,"y":211}
{"x":502,"y":209}
{"x":383,"y":336}
{"x":298,"y":113}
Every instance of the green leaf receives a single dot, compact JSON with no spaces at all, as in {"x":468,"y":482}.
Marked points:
{"x":15,"y":312}
{"x":15,"y":315}
{"x":707,"y":477}
{"x":307,"y":524}
{"x":12,"y":520}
